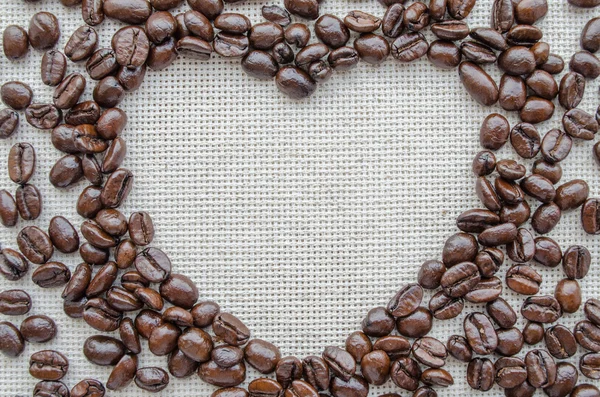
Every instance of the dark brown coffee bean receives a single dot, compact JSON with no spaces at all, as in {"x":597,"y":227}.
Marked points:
{"x":82,"y":44}
{"x":38,"y":329}
{"x":536,"y":110}
{"x":108,"y":92}
{"x":524,"y":35}
{"x":478,"y":83}
{"x":556,"y":146}
{"x":588,"y":335}
{"x":14,"y":302}
{"x":444,"y":55}
{"x":409,"y":47}
{"x":416,"y":16}
{"x":522,"y":248}
{"x":372,"y":48}
{"x":545,"y":218}
{"x":592,"y":310}
{"x":488,"y":261}
{"x":343,"y":58}
{"x":117,"y":188}
{"x":415,"y":325}
{"x":230,"y":329}
{"x":431,"y":272}
{"x":308,"y":9}
{"x":88,"y":388}
{"x":43,"y":116}
{"x":87,"y":112}
{"x":541,"y":309}
{"x":180,"y":365}
{"x":444,"y":307}
{"x":430,"y":352}
{"x":566,"y":379}
{"x":533,"y":333}
{"x":8,"y":209}
{"x":289,"y":369}
{"x":264,"y":387}
{"x":585,"y":390}
{"x":102,"y":281}
{"x":547,"y":252}
{"x":316,"y":372}
{"x":580,"y":124}
{"x":163,"y":339}
{"x":553,"y":65}
{"x":146,"y":321}
{"x":92,"y":170}
{"x":459,"y":348}
{"x":480,"y":333}
{"x":226,"y":356}
{"x":525,"y":139}
{"x":99,"y":315}
{"x":93,"y":255}
{"x":16,"y":95}
{"x":13,"y":266}
{"x":96,"y":235}
{"x":35,"y":245}
{"x":481,"y":374}
{"x":529,"y":11}
{"x":204,"y":313}
{"x":406,"y":301}
{"x":75,"y":288}
{"x":101,"y":64}
{"x":515,"y":213}
{"x":586,"y":64}
{"x":294,"y":82}
{"x":437,"y":377}
{"x":494,"y":132}
{"x":510,"y":170}
{"x":11,"y":340}
{"x":123,"y":300}
{"x":152,"y":379}
{"x":576,"y":262}
{"x":517,"y":61}
{"x":48,"y":365}
{"x":375,"y":367}
{"x":460,"y":247}
{"x":54,"y":66}
{"x":378,"y":322}
{"x":89,"y":203}
{"x":460,"y":279}
{"x":340,"y":362}
{"x":560,"y":342}
{"x":498,"y":235}
{"x":571,"y":90}
{"x":86,"y":139}
{"x":568,"y":295}
{"x":9,"y":121}
{"x":590,"y":35}
{"x":92,"y":12}
{"x":123,"y":373}
{"x":296,"y":34}
{"x":178,"y":316}
{"x":358,"y":344}
{"x":361,"y":22}
{"x":15,"y":42}
{"x":215,"y":375}
{"x":406,"y":373}
{"x":66,"y":171}
{"x":542,"y":84}
{"x":231,"y":45}
{"x":510,"y":372}
{"x":394,"y":345}
{"x":477,"y":53}
{"x":260,"y":65}
{"x":450,"y":30}
{"x":541,"y":368}
{"x":44,"y":31}
{"x":195,"y":344}
{"x":502,"y":313}
{"x":330,"y":30}
{"x":541,"y":53}
{"x":510,"y":342}
{"x":552,"y":172}
{"x":488,"y":289}
{"x":589,"y":365}
{"x":131,"y":79}
{"x":51,"y":274}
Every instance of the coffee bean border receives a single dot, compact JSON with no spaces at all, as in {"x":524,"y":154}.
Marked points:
{"x":465,"y":272}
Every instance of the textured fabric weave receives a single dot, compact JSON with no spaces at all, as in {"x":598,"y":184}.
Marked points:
{"x":298,"y":217}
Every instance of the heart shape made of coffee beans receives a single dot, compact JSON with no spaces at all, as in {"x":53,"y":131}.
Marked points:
{"x":461,"y":182}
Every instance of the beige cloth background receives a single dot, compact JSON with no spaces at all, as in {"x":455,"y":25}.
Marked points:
{"x":296,"y":216}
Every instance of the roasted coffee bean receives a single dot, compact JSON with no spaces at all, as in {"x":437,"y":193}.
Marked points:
{"x":38,"y":329}
{"x":108,"y":92}
{"x":14,"y":302}
{"x":586,"y":64}
{"x":415,"y":325}
{"x":444,"y":307}
{"x":123,"y":300}
{"x":75,"y":288}
{"x":196,"y":344}
{"x":372,"y":48}
{"x":289,"y":369}
{"x":86,"y":139}
{"x":96,"y":235}
{"x":502,"y":313}
{"x":431,"y":272}
{"x":82,"y":44}
{"x":131,"y":46}
{"x":510,"y":372}
{"x":506,"y":190}
{"x":536,"y":110}
{"x":460,"y":247}
{"x":545,"y":218}
{"x":11,"y":340}
{"x":48,"y":365}
{"x":63,"y":138}
{"x":296,"y":34}
{"x":88,"y":388}
{"x":406,"y":373}
{"x":29,"y":202}
{"x":494,"y":132}
{"x":480,"y":333}
{"x":264,"y":36}
{"x":437,"y":377}
{"x":484,"y":163}
{"x":568,"y":295}
{"x":459,"y":348}
{"x":358,"y":344}
{"x":517,"y":60}
{"x":276,"y":15}
{"x":571,"y":90}
{"x":576,"y":262}
{"x":227,"y":356}
{"x":163,"y":339}
{"x":588,"y":335}
{"x":590,"y":216}
{"x":330,"y":30}
{"x":580,"y":124}
{"x":146,"y":321}
{"x":150,"y":297}
{"x":44,"y":31}
{"x":180,"y":365}
{"x":294,"y":82}
{"x":524,"y":35}
{"x":102,"y":281}
{"x":444,"y":55}
{"x":547,"y":252}
{"x":460,"y":279}
{"x":35,"y":245}
{"x":477,"y":53}
{"x":9,"y":121}
{"x":132,"y":281}
{"x":437,"y":9}
{"x":416,"y":16}
{"x":522,"y":248}
{"x":264,"y":387}
{"x":160,"y":27}
{"x":54,"y":66}
{"x":529,"y":11}
{"x":409,"y":47}
{"x":498,"y":235}
{"x":406,"y":301}
{"x":478,"y":83}
{"x":378,"y":322}
{"x":488,"y":289}
{"x":490,"y":37}
{"x":488,"y":261}
{"x":47,"y":388}
{"x":15,"y":42}
{"x":74,"y":309}
{"x":92,"y":12}
{"x":99,"y":315}
{"x":51,"y":274}
{"x":356,"y":386}
{"x":123,"y":373}
{"x":178,"y":316}
{"x":375,"y":367}
{"x":510,"y":341}
{"x":589,"y":365}
{"x":230,"y":329}
{"x":260,"y":65}
{"x":16,"y":95}
{"x":204,"y":313}
{"x":592,"y":310}
{"x":340,"y":362}
{"x":510,"y":170}
{"x":585,"y":390}
{"x":233,"y":392}
{"x":131,"y":79}
{"x":525,"y":139}
{"x":87,"y":112}
{"x":320,"y":71}
{"x":542,"y":84}
{"x":66,"y":171}
{"x":361,"y":22}
{"x":134,"y":12}
{"x":231,"y":45}
{"x":450,"y":30}
{"x":552,"y":172}
{"x":430,"y":352}
{"x":43,"y":116}
{"x":308,"y":9}
{"x":13,"y":266}
{"x":515,"y":213}
{"x":112,"y":221}
{"x":89,"y":203}
{"x":590,"y":35}
{"x":392,"y":23}
{"x":553,"y":65}
{"x":111,"y":123}
{"x":394,"y":345}
{"x":541,"y":368}
{"x":541,"y":53}
{"x":560,"y":342}
{"x":481,"y":374}
{"x":92,"y":170}
{"x":533,"y":333}
{"x":556,"y":146}
{"x":116,"y":188}
{"x":8,"y":209}
{"x":152,"y":379}
{"x":541,"y":309}
{"x":101,"y":64}
{"x":215,"y":375}
{"x":566,"y":379}
{"x":198,"y":25}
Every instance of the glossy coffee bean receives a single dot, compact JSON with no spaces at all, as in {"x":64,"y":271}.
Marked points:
{"x":99,"y":315}
{"x":437,"y":377}
{"x":460,"y":247}
{"x":502,"y":313}
{"x":489,"y":260}
{"x":511,"y":170}
{"x":9,"y":214}
{"x":560,"y":342}
{"x":215,"y":375}
{"x":48,"y":365}
{"x":523,"y":279}
{"x":481,"y":374}
{"x":88,"y":388}
{"x":478,"y":83}
{"x":510,"y":342}
{"x":533,"y":333}
{"x":536,"y":110}
{"x":15,"y":42}
{"x":571,"y":90}
{"x":43,"y":116}
{"x":394,"y":345}
{"x":406,"y":301}
{"x":230,"y":329}
{"x":460,"y":279}
{"x":16,"y":95}
{"x":152,"y":379}
{"x":9,"y":121}
{"x":480,"y":333}
{"x":378,"y":322}
{"x":44,"y":31}
{"x":541,"y":309}
{"x":522,"y":248}
{"x":576,"y":262}
{"x":11,"y":340}
{"x":430,"y":352}
{"x":35,"y":244}
{"x":406,"y":373}
{"x":459,"y":348}
{"x":409,"y":47}
{"x":51,"y":275}
{"x":585,"y":389}
{"x":444,"y":307}
{"x":38,"y":329}
{"x":289,"y":369}
{"x":372,"y":48}
{"x":102,"y":280}
{"x":516,"y":214}
{"x":358,"y":344}
{"x":590,"y":35}
{"x":487,"y":290}
{"x":547,"y":252}
{"x":541,"y":368}
{"x":552,"y":172}
{"x":13,"y":266}
{"x":566,"y":379}
{"x":294,"y":82}
{"x":586,"y":64}
{"x":568,"y":295}
{"x":415,"y":325}
{"x":589,"y":365}
{"x":510,"y":372}
{"x":331,"y":31}
{"x":587,"y":335}
{"x":450,"y":30}
{"x":430,"y":274}
{"x":513,"y":92}
{"x":108,"y":92}
{"x":556,"y":146}
{"x":14,"y":302}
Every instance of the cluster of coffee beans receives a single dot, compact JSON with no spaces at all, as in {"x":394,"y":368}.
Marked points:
{"x":136,"y":278}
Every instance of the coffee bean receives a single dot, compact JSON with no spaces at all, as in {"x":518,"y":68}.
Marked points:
{"x":547,"y":252}
{"x":44,"y":31}
{"x":16,"y":95}
{"x":13,"y":266}
{"x":589,"y":365}
{"x":15,"y":42}
{"x":571,"y":90}
{"x":260,"y":65}
{"x":484,"y":163}
{"x":204,"y":313}
{"x":480,"y":333}
{"x":9,"y":121}
{"x":88,"y":388}
{"x":99,"y":315}
{"x":586,"y":64}
{"x":523,"y":279}
{"x":524,"y":35}
{"x":178,"y":289}
{"x":38,"y":329}
{"x":533,"y":333}
{"x":542,"y":84}
{"x":14,"y":302}
{"x":8,"y":209}
{"x":416,"y":16}
{"x":488,"y":261}
{"x":215,"y":375}
{"x":294,"y":82}
{"x":498,"y":235}
{"x":430,"y":352}
{"x":289,"y":369}
{"x":590,"y":35}
{"x":556,"y":146}
{"x":522,"y":248}
{"x":77,"y":285}
{"x":478,"y":83}
{"x":541,"y":368}
{"x":43,"y":116}
{"x":515,"y":213}
{"x":560,"y":342}
{"x":35,"y":244}
{"x":375,"y":367}
{"x":358,"y":344}
{"x":450,"y":30}
{"x":133,"y":12}
{"x":444,"y":307}
{"x":481,"y":374}
{"x":409,"y":47}
{"x":510,"y":342}
{"x":378,"y":322}
{"x":230,"y":329}
{"x":460,"y":247}
{"x":488,"y":289}
{"x":29,"y":202}
{"x":227,"y":356}
{"x":568,"y":295}
{"x":552,"y":172}
{"x":343,"y":58}
{"x":576,"y":262}
{"x":232,"y":392}
{"x":459,"y":348}
{"x":11,"y":340}
{"x":146,"y":321}
{"x":150,"y":298}
{"x":361,"y":22}
{"x":123,"y":373}
{"x":592,"y":310}
{"x":103,"y":350}
{"x":51,"y":274}
{"x":460,"y":279}
{"x":394,"y":345}
{"x":406,"y":301}
{"x":437,"y":377}
{"x":494,"y":132}
{"x":588,"y":335}
{"x":553,"y":65}
{"x":180,"y":365}
{"x":566,"y":379}
{"x":296,"y":34}
{"x":477,"y":53}
{"x":330,"y":30}
{"x":152,"y":379}
{"x":580,"y":124}
{"x":502,"y":313}
{"x":511,"y":170}
{"x":541,"y":309}
{"x":541,"y":53}
{"x":406,"y":373}
{"x":372,"y":48}
{"x":340,"y":362}
{"x":48,"y":365}
{"x":86,"y":139}
{"x":528,"y":12}
{"x":510,"y":372}
{"x":415,"y":325}
{"x":476,"y":220}
{"x":430,"y":274}
{"x":82,"y":43}
{"x":308,"y":9}
{"x":585,"y":390}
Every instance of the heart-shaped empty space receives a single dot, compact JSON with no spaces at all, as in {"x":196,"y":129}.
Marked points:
{"x":297,"y":216}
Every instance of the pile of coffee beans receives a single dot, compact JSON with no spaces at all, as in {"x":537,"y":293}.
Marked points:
{"x":135,"y":291}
